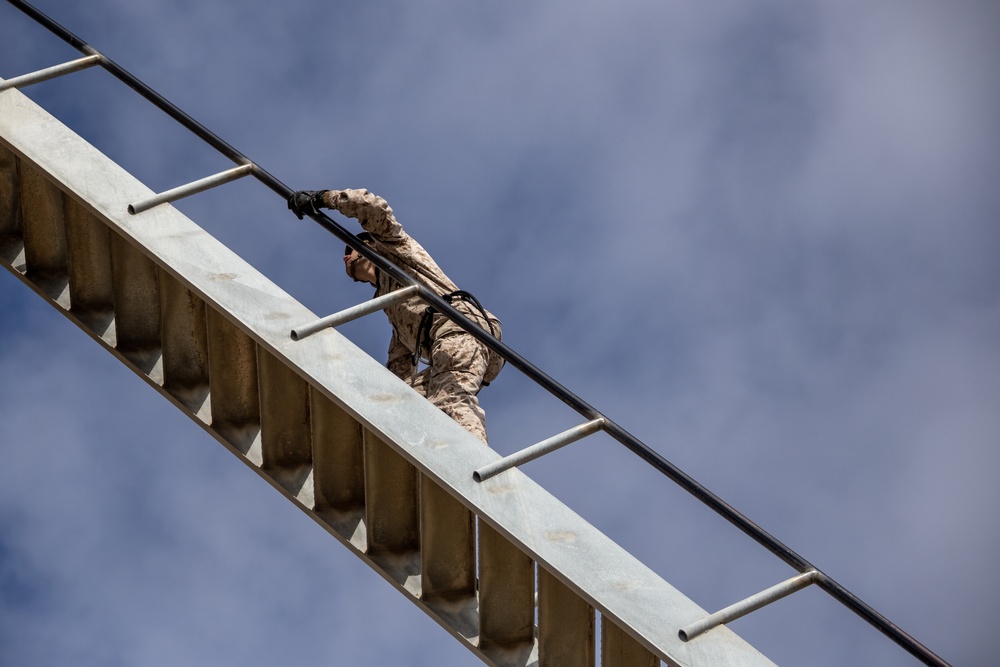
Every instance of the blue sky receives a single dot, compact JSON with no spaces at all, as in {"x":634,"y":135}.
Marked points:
{"x":761,"y":236}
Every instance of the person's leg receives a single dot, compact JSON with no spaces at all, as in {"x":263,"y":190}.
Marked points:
{"x":419,"y":381}
{"x":458,"y":363}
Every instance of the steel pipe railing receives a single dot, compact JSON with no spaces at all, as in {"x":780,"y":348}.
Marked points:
{"x":553,"y":387}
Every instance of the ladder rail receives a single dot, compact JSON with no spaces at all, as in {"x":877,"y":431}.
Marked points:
{"x":617,"y":432}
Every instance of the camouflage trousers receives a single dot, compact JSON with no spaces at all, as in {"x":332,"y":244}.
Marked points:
{"x":454,"y":377}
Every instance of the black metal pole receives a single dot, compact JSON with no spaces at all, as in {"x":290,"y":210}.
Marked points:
{"x":645,"y":452}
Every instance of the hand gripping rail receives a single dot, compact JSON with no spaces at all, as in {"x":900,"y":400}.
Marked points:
{"x":594,"y":417}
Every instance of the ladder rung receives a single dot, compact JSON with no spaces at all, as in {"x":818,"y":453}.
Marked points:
{"x":192,"y":188}
{"x":752,"y":603}
{"x":544,"y":447}
{"x":353,"y":313}
{"x":51,"y":72}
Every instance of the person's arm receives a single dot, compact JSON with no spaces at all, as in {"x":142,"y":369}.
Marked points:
{"x":400,"y":359}
{"x":370,"y":210}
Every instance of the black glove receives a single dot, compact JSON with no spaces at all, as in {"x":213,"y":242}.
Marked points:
{"x":305,"y":202}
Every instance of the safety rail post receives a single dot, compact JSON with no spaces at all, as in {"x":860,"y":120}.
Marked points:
{"x":544,"y":447}
{"x":51,"y":72}
{"x":192,"y":188}
{"x":354,"y":312}
{"x":752,"y":603}
{"x":646,"y":453}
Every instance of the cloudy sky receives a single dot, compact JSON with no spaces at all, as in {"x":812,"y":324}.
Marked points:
{"x":762,"y":236}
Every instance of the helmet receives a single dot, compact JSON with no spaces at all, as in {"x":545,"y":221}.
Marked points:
{"x":364,"y":237}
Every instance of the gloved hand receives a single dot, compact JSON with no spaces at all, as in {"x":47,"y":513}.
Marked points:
{"x":305,"y":202}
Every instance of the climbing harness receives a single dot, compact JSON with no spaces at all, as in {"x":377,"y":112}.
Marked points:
{"x":494,"y":361}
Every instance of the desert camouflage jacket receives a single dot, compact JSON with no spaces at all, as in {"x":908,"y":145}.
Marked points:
{"x":376,"y":217}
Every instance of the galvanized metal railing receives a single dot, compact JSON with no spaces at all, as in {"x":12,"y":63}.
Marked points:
{"x":596,"y":421}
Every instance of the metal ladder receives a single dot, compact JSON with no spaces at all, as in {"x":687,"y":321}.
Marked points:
{"x":334,"y":431}
{"x":502,"y":565}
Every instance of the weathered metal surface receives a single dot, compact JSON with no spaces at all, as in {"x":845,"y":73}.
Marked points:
{"x":42,"y":209}
{"x":10,"y":196}
{"x":285,"y":438}
{"x":185,"y":336}
{"x":391,"y":499}
{"x":338,"y":456}
{"x":618,"y":649}
{"x":447,"y":545}
{"x":565,"y":624}
{"x":235,"y":393}
{"x":136,"y":288}
{"x":90,"y":279}
{"x":506,"y":592}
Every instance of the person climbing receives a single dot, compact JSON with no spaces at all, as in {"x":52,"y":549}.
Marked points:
{"x":458,"y":366}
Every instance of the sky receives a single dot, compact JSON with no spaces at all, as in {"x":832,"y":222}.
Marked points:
{"x":761,"y":236}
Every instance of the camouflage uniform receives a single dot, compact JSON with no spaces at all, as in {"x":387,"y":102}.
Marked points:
{"x":459,"y":365}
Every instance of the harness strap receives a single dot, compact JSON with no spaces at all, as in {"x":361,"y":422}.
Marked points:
{"x":427,"y":321}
